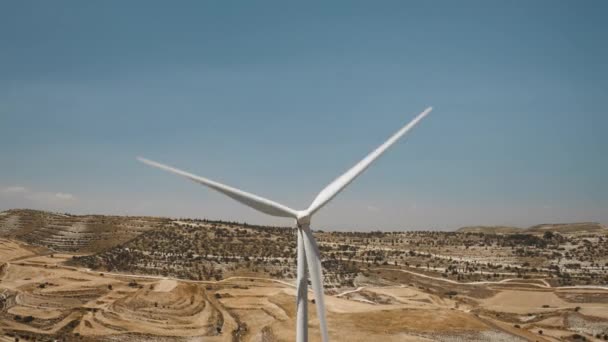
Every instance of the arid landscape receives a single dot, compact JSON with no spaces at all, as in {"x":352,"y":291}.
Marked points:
{"x":111,"y":278}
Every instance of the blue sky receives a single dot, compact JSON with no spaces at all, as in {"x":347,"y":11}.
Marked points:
{"x":279,"y":98}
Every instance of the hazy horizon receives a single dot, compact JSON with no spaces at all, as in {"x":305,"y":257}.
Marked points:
{"x":279,"y":99}
{"x":353,"y":228}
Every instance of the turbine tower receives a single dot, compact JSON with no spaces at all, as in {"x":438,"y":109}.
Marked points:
{"x":308,"y":256}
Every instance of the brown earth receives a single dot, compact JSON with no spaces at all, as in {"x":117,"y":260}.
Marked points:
{"x":42,"y":297}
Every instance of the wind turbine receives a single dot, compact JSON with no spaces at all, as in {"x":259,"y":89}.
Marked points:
{"x":309,"y":258}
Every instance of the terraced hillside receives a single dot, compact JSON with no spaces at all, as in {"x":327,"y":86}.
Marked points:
{"x":568,"y":228}
{"x":205,"y":250}
{"x":40,"y":299}
{"x":73,"y":233}
{"x":562,"y":228}
{"x":43,"y":299}
{"x":151,"y":279}
{"x":490,"y":229}
{"x":208,"y":250}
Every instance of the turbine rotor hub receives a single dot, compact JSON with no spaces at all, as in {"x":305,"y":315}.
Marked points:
{"x":303,"y":219}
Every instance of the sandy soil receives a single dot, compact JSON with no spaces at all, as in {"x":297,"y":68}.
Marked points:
{"x":66,"y":302}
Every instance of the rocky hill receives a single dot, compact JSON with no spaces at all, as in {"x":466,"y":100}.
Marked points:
{"x":201,"y":250}
{"x":562,"y":228}
{"x":490,"y":229}
{"x":73,"y":233}
{"x":568,"y":228}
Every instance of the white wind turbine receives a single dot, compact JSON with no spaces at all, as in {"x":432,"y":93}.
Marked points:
{"x":309,"y":258}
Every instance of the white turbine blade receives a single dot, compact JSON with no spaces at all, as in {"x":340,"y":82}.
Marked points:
{"x":316,"y":278}
{"x":302,"y":292}
{"x":341,"y":182}
{"x":256,"y":202}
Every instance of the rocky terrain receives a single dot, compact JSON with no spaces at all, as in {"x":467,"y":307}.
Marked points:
{"x":73,"y":233}
{"x":203,"y":250}
{"x":573,"y":228}
{"x":109,"y":278}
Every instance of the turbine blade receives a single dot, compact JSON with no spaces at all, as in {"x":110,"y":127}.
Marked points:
{"x":331,"y":190}
{"x":302,"y":292}
{"x":313,"y":258}
{"x":253,"y":201}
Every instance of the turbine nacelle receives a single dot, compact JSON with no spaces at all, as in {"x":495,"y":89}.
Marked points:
{"x":303,"y":218}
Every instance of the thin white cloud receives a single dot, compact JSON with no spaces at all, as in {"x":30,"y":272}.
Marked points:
{"x":372,"y":208}
{"x":50,"y":197}
{"x":17,"y":194}
{"x":64,"y":196}
{"x":15,"y":189}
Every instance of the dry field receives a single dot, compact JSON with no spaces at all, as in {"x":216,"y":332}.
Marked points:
{"x":162,"y":280}
{"x":43,"y":299}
